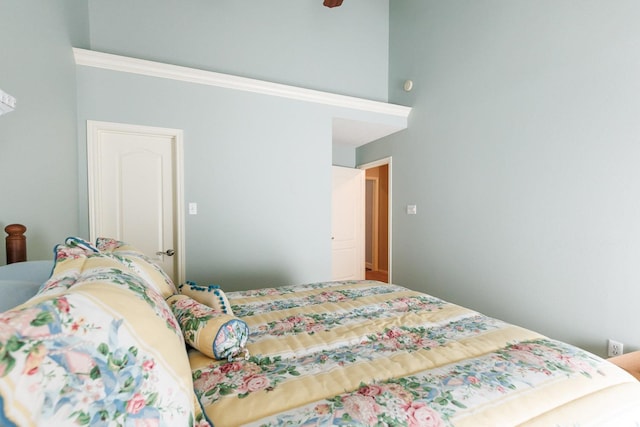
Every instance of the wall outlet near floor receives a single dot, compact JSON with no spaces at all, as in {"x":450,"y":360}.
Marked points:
{"x":614,"y":348}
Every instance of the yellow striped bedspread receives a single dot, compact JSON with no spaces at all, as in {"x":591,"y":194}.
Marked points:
{"x":365,"y":353}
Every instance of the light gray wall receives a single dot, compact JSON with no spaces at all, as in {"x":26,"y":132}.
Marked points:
{"x":522,"y":155}
{"x":38,"y":158}
{"x":299,"y":43}
{"x":344,"y":155}
{"x":258,"y":167}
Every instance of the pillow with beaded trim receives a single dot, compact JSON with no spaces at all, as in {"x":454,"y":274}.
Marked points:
{"x":210,"y":295}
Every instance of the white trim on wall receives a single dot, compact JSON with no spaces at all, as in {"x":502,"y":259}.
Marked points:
{"x":126,"y":64}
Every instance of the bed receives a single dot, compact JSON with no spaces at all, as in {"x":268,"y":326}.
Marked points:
{"x":369,"y":353}
{"x":345,"y":353}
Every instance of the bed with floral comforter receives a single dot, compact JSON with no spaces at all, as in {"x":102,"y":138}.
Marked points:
{"x":368,"y":353}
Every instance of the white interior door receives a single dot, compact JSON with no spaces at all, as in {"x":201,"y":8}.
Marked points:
{"x":347,"y":224}
{"x":135,"y":190}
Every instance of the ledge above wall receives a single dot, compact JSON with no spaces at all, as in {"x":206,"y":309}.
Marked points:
{"x":356,"y":121}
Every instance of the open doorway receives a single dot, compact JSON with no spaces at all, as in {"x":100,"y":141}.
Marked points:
{"x":378,"y":220}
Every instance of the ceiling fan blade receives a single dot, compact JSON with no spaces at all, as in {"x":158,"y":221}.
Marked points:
{"x":332,"y":3}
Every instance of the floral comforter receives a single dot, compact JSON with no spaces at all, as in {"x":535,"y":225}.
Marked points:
{"x":97,"y":346}
{"x":366,"y":353}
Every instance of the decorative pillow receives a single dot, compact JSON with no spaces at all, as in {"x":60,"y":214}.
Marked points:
{"x":210,"y":295}
{"x":217,"y":335}
{"x":139,"y":263}
{"x":69,"y":260}
{"x":96,"y":346}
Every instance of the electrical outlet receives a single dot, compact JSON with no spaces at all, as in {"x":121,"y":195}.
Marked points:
{"x":614,"y":348}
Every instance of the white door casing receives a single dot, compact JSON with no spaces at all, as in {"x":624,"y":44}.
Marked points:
{"x":136,"y":189}
{"x":347,"y":223}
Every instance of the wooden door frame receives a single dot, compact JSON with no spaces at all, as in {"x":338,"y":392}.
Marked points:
{"x":375,"y":164}
{"x":94,"y":129}
{"x":375,"y":219}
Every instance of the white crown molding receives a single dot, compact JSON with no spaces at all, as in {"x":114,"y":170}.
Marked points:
{"x":126,"y":64}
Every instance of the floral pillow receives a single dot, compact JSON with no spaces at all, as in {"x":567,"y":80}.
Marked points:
{"x":139,"y":263}
{"x":69,"y":259}
{"x":210,"y":295}
{"x":215,"y":334}
{"x":96,"y":345}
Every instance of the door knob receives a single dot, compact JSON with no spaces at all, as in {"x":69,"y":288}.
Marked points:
{"x":168,"y":252}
